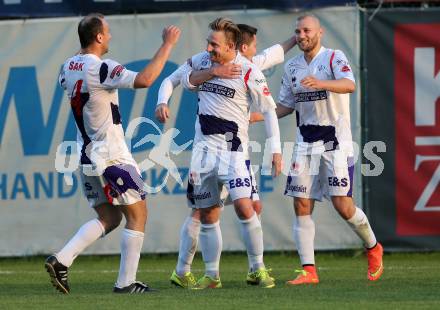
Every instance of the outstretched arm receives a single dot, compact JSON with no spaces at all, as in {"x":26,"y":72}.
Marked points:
{"x":149,"y":74}
{"x":289,"y":44}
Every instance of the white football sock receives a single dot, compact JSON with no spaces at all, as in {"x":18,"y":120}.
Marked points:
{"x":85,"y":236}
{"x":131,"y":245}
{"x":252,"y":234}
{"x":359,"y":223}
{"x":189,"y":236}
{"x":250,"y":263}
{"x":211,"y":243}
{"x":304,"y":236}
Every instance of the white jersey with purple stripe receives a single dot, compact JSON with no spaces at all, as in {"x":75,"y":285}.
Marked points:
{"x":92,"y":88}
{"x":223,"y":111}
{"x":323,"y":117}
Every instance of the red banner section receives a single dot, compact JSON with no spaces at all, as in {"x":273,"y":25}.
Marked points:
{"x":417,"y":106}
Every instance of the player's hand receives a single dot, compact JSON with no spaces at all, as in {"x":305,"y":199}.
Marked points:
{"x":311,"y":82}
{"x":256,"y":117}
{"x":162,"y":112}
{"x":277,"y":164}
{"x":170,"y":35}
{"x":227,"y":71}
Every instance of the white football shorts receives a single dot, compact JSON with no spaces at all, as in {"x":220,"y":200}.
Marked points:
{"x":320,"y":175}
{"x":119,"y":184}
{"x":226,"y":198}
{"x":211,"y":171}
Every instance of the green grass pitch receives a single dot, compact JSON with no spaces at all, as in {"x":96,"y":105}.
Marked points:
{"x":410,"y":281}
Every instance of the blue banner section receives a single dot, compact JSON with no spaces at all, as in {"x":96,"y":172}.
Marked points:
{"x":53,"y":8}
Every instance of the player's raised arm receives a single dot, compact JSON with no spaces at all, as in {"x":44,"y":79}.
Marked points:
{"x":288,"y":44}
{"x":273,"y":55}
{"x":148,"y":75}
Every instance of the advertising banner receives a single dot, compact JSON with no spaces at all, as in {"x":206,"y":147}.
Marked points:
{"x":403,"y":109}
{"x":40,"y":207}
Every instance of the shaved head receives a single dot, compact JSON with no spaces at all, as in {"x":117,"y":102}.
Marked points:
{"x":311,"y":19}
{"x":308,"y":33}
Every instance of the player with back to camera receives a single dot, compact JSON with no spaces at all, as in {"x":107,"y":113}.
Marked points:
{"x":92,"y":85}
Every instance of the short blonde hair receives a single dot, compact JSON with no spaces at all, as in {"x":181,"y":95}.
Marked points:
{"x":231,"y":30}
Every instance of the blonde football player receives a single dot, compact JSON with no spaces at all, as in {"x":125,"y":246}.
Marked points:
{"x":189,"y":234}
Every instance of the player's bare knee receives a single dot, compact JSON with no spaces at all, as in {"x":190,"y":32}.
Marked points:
{"x":135,"y":215}
{"x":195,"y":214}
{"x":344,"y":206}
{"x":109,"y":216}
{"x":258,"y":206}
{"x":245,"y":212}
{"x":136,"y":218}
{"x":244,"y":208}
{"x":302,"y":206}
{"x":112,"y":222}
{"x":210,"y":215}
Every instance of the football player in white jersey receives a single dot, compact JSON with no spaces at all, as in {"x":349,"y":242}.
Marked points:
{"x":316,"y":84}
{"x":110,"y":176}
{"x":190,"y":230}
{"x":221,"y":145}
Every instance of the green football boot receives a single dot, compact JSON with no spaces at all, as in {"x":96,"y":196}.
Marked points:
{"x":207,"y":282}
{"x":186,"y":281}
{"x":260,"y":277}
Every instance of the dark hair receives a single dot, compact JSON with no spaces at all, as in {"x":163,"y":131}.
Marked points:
{"x":247,"y":34}
{"x":89,"y":27}
{"x":230,"y":29}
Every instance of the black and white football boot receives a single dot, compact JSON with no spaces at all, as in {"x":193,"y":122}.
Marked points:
{"x":134,"y":288}
{"x":58,"y":274}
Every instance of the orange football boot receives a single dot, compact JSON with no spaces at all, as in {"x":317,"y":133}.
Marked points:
{"x":375,"y":263}
{"x":307,"y":275}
